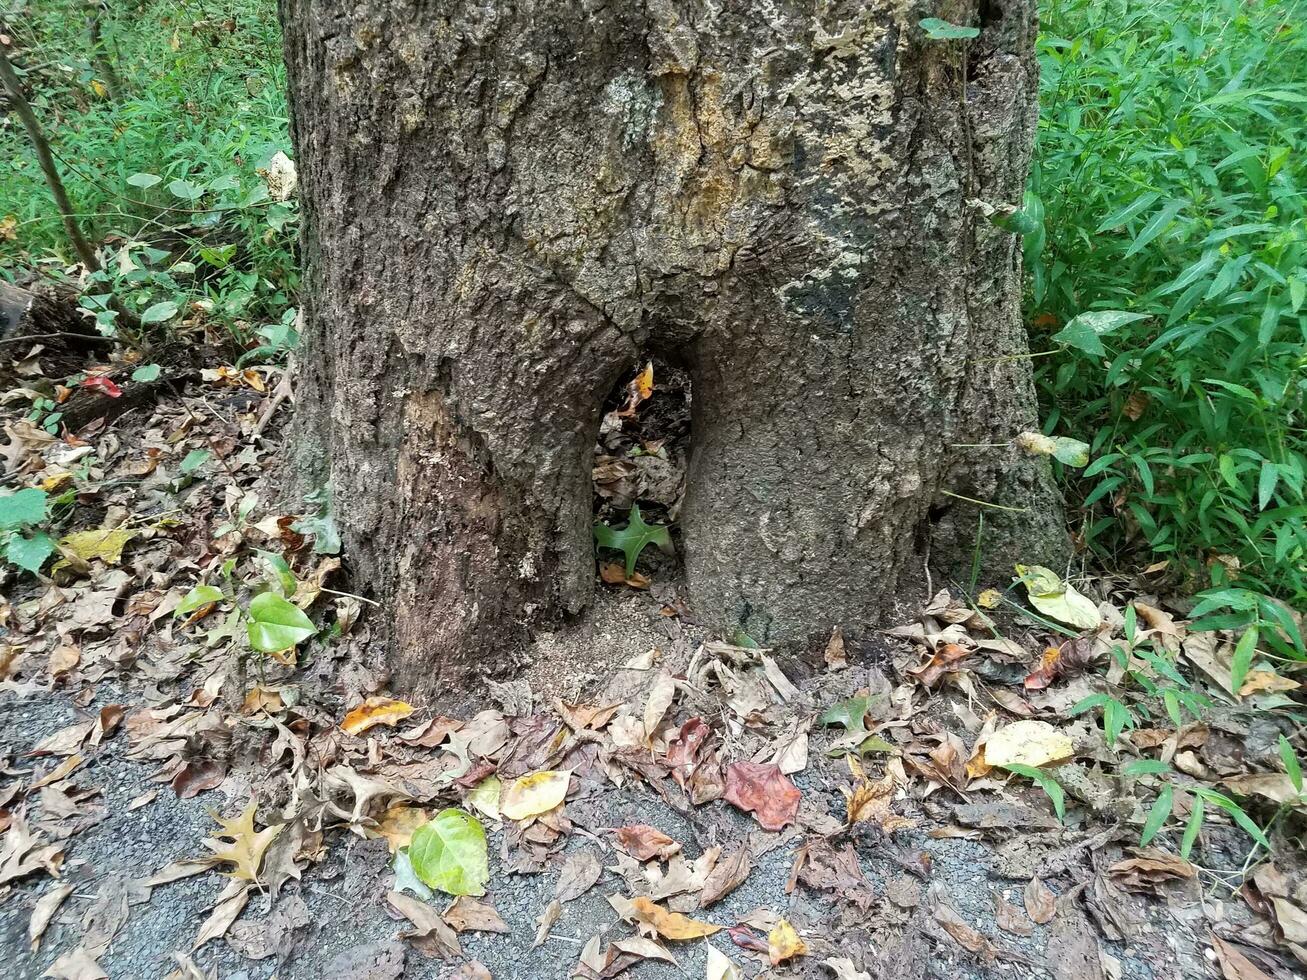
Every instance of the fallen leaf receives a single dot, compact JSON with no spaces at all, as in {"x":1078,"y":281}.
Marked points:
{"x":764,"y":791}
{"x":1058,"y":599}
{"x":376,"y":711}
{"x":869,"y":802}
{"x":661,"y":694}
{"x":77,"y":964}
{"x":963,"y":934}
{"x":836,"y":657}
{"x":537,"y":793}
{"x":580,"y":872}
{"x":247,"y":846}
{"x":726,"y":876}
{"x":431,"y":935}
{"x":274,"y":935}
{"x":1266,"y":682}
{"x":644,"y":842}
{"x":46,"y":906}
{"x":1028,"y":743}
{"x":844,"y":969}
{"x":546,"y":921}
{"x":1234,"y":965}
{"x":945,"y":660}
{"x":784,"y":943}
{"x":230,"y":904}
{"x":1064,"y":660}
{"x":398,"y":823}
{"x":669,"y":925}
{"x":449,"y":853}
{"x":1149,"y":869}
{"x":466,"y":914}
{"x":1041,"y":903}
{"x":1010,"y":918}
{"x":106,"y":544}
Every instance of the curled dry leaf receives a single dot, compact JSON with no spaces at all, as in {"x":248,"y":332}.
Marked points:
{"x":869,"y":802}
{"x":946,"y":659}
{"x":644,"y":842}
{"x":1061,"y":661}
{"x":46,"y":906}
{"x":1010,"y":918}
{"x":466,"y":914}
{"x":669,"y":925}
{"x":836,"y":657}
{"x":784,"y":943}
{"x":534,"y":794}
{"x":431,"y":935}
{"x":661,"y":695}
{"x":764,"y":791}
{"x":726,"y":876}
{"x":246,"y":846}
{"x":375,"y":711}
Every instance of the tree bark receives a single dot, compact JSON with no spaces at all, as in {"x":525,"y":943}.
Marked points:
{"x":509,"y":205}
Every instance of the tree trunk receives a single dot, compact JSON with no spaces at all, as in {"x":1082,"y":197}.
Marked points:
{"x":509,"y":205}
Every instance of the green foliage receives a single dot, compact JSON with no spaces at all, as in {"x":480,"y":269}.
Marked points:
{"x":275,"y":624}
{"x":23,"y":542}
{"x":1168,"y":274}
{"x":164,"y":166}
{"x":942,"y":30}
{"x":1051,"y":787}
{"x":448,"y":852}
{"x":632,"y":539}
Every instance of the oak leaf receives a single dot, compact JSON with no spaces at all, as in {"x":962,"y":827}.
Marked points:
{"x":245,"y":847}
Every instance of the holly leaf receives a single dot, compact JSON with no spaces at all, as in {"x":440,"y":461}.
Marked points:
{"x":632,"y":539}
{"x":449,"y":853}
{"x":275,"y":624}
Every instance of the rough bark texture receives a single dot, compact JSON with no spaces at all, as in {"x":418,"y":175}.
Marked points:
{"x":508,"y":205}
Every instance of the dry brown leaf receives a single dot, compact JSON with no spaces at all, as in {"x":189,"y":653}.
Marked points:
{"x":764,"y":791}
{"x":1041,"y":903}
{"x":669,"y":925}
{"x":726,"y":876}
{"x":869,"y":802}
{"x":784,"y":943}
{"x":1010,"y":918}
{"x":230,"y":904}
{"x":466,"y":914}
{"x":1234,"y":965}
{"x":46,"y":906}
{"x":836,"y":656}
{"x":546,"y":921}
{"x":77,"y":964}
{"x":1149,"y":869}
{"x":376,"y":711}
{"x":944,"y":661}
{"x":1266,"y":682}
{"x":964,"y":935}
{"x":431,"y":935}
{"x":246,"y":847}
{"x":644,"y":842}
{"x":398,"y":823}
{"x":661,"y":694}
{"x":580,"y":871}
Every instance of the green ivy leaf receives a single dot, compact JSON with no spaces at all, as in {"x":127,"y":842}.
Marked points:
{"x":275,"y":624}
{"x":632,"y":539}
{"x":448,"y":852}
{"x":942,"y":30}
{"x":1084,"y":330}
{"x":31,"y":552}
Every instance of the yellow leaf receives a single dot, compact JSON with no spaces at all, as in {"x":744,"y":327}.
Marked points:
{"x":1028,"y":742}
{"x":106,"y":544}
{"x":530,"y":796}
{"x":1262,"y":681}
{"x":783,"y":943}
{"x":669,"y":925}
{"x":869,"y":802}
{"x":485,"y":797}
{"x":247,"y":846}
{"x":398,"y":823}
{"x":1053,"y":597}
{"x":376,"y":711}
{"x":644,"y":382}
{"x":98,"y":87}
{"x":989,"y":599}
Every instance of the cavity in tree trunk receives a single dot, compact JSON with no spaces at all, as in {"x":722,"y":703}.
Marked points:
{"x":509,"y":206}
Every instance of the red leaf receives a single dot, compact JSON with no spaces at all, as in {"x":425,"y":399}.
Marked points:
{"x":764,"y":791}
{"x":100,"y":383}
{"x":644,"y":842}
{"x":742,"y":937}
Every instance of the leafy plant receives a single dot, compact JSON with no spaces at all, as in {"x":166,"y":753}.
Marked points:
{"x":632,"y":539}
{"x":1051,"y":787}
{"x":274,"y":624}
{"x":22,"y":512}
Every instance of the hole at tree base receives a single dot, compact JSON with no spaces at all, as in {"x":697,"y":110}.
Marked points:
{"x":639,"y":462}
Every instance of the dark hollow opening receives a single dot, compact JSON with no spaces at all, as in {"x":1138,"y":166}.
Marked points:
{"x":640,"y":459}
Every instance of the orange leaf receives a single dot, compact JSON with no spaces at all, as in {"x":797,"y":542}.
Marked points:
{"x":376,"y":711}
{"x":784,"y":943}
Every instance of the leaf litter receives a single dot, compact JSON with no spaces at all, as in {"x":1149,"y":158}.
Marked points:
{"x":837,"y":813}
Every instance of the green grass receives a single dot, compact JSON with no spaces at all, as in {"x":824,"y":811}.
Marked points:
{"x":1170,"y":169}
{"x":1169,"y":173}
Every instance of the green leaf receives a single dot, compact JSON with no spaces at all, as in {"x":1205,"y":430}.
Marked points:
{"x":632,"y":539}
{"x":1115,"y":716}
{"x":1072,"y":452}
{"x":1051,"y":787}
{"x":185,"y":190}
{"x":147,"y":372}
{"x":197,"y":598}
{"x":1291,"y":766}
{"x":449,"y":853}
{"x":1157,"y":815}
{"x":159,"y":312}
{"x":1191,"y":828}
{"x":194,"y":460}
{"x":1266,"y":482}
{"x":850,"y":714}
{"x":1120,"y":216}
{"x":1242,"y":662}
{"x":1084,"y":330}
{"x":283,"y":577}
{"x":1157,"y":224}
{"x":29,"y":553}
{"x":275,"y":624}
{"x":144,"y":181}
{"x":1236,"y":813}
{"x":1145,"y":767}
{"x":1084,"y":704}
{"x":942,"y":30}
{"x":24,"y":508}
